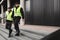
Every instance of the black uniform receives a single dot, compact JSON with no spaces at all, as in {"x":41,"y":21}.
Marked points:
{"x":17,"y":20}
{"x":8,"y":25}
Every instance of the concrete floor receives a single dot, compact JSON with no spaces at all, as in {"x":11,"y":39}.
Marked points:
{"x":31,"y":32}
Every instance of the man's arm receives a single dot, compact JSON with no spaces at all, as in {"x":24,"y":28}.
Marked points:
{"x":12,"y":14}
{"x":22,"y":13}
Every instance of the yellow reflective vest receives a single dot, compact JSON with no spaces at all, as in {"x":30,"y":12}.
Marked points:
{"x":17,"y":11}
{"x":9,"y":16}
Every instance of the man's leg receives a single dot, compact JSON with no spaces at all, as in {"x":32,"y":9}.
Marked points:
{"x":10,"y":30}
{"x":17,"y":29}
{"x":16,"y":23}
{"x":6,"y":26}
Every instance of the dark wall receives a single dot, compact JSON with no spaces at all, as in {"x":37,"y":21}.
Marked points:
{"x":44,"y":12}
{"x":12,"y":2}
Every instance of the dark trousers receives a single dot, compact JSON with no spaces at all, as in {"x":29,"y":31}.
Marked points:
{"x":16,"y":24}
{"x":8,"y":26}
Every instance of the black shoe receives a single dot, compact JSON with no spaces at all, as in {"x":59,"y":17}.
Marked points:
{"x":17,"y":34}
{"x":10,"y":36}
{"x":10,"y":33}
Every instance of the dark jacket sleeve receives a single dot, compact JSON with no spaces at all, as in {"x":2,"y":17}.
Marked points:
{"x":12,"y":14}
{"x":22,"y":13}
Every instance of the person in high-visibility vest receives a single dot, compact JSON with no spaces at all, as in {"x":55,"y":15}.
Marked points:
{"x":18,"y":13}
{"x":9,"y":19}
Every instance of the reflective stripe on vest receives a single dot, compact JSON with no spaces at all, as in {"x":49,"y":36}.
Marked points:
{"x":9,"y":16}
{"x":17,"y":12}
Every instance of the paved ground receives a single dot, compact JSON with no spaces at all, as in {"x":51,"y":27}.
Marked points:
{"x":37,"y":28}
{"x":31,"y":32}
